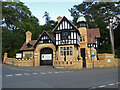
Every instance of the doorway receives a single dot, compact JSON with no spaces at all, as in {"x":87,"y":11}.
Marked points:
{"x":83,"y":56}
{"x":46,"y":56}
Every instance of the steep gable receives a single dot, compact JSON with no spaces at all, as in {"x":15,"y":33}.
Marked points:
{"x":45,"y":37}
{"x":65,"y":24}
{"x":93,"y":34}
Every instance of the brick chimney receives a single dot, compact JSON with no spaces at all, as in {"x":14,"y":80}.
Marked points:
{"x":28,"y":36}
{"x":59,"y":19}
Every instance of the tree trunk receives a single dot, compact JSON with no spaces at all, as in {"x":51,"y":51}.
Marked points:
{"x":111,"y":38}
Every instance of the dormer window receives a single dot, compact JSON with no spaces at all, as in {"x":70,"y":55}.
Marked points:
{"x":29,"y":45}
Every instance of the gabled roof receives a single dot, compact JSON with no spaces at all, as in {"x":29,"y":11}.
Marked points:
{"x":64,"y":18}
{"x":25,"y":47}
{"x":49,"y":35}
{"x":92,"y":34}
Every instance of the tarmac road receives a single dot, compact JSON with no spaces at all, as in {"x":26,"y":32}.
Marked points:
{"x":48,"y":77}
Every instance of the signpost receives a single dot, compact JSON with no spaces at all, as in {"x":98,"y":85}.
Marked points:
{"x":93,"y":59}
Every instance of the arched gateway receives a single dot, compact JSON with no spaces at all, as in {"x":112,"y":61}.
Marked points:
{"x":43,"y":51}
{"x":46,"y":56}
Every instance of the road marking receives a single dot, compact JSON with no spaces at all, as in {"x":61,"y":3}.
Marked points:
{"x":61,"y":72}
{"x":9,"y":75}
{"x":34,"y":73}
{"x":18,"y":74}
{"x":56,"y":72}
{"x":102,"y":86}
{"x":111,"y":84}
{"x":42,"y":73}
{"x":49,"y":72}
{"x":118,"y":83}
{"x":93,"y":88}
{"x":26,"y":74}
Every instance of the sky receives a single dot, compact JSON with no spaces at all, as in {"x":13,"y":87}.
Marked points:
{"x":54,"y":8}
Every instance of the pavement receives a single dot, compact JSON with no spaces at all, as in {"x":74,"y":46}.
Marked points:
{"x":48,"y":77}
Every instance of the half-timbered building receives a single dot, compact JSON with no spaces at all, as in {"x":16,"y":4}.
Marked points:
{"x":68,"y":43}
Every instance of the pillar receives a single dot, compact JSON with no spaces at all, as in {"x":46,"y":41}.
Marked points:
{"x":5,"y":56}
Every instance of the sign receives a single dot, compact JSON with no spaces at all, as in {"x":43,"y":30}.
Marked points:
{"x":109,"y":60}
{"x":19,"y":55}
{"x":92,"y":55}
{"x":46,"y":57}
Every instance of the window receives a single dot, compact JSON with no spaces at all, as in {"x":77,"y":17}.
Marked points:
{"x":66,"y":51}
{"x":82,"y":39}
{"x":28,"y":55}
{"x":61,"y":51}
{"x":70,"y":50}
{"x":65,"y":35}
{"x":29,"y":45}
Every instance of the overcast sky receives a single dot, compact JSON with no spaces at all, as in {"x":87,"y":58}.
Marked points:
{"x":54,"y":8}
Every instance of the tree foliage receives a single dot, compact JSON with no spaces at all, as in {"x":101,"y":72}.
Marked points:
{"x":98,"y":15}
{"x":49,"y":24}
{"x":16,"y":20}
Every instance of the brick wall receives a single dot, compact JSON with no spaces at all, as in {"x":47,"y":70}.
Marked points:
{"x":70,"y":64}
{"x":105,"y":60}
{"x":19,"y":62}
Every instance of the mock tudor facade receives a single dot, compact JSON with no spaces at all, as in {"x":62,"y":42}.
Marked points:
{"x":68,"y":43}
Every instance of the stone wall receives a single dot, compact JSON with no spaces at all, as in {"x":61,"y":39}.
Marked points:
{"x":105,"y":60}
{"x":70,"y":64}
{"x":19,"y":62}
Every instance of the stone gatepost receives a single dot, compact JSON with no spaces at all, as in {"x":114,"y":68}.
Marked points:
{"x":36,"y":59}
{"x":53,"y":57}
{"x":5,"y":56}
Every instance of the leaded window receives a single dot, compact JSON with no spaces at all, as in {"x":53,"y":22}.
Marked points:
{"x":66,"y":51}
{"x":82,"y":39}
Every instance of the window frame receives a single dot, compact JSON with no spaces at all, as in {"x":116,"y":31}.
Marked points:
{"x":66,"y":51}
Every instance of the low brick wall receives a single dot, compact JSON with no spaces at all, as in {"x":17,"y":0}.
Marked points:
{"x":103,"y":63}
{"x":19,"y":62}
{"x":70,"y":64}
{"x":105,"y":56}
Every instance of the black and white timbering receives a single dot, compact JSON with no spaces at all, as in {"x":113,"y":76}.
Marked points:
{"x":66,"y":33}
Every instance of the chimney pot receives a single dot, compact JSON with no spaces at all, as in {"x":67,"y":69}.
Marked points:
{"x":28,"y":36}
{"x":59,"y":19}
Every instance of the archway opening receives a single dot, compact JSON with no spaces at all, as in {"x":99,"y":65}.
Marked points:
{"x":46,"y":56}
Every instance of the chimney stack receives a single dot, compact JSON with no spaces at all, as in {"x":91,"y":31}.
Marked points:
{"x":28,"y":36}
{"x":59,"y":19}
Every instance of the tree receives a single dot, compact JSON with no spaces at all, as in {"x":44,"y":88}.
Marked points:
{"x":46,"y":16}
{"x":49,"y":24}
{"x":16,"y":20}
{"x":98,"y":14}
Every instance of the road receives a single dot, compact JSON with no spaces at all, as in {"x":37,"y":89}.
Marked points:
{"x":48,"y":77}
